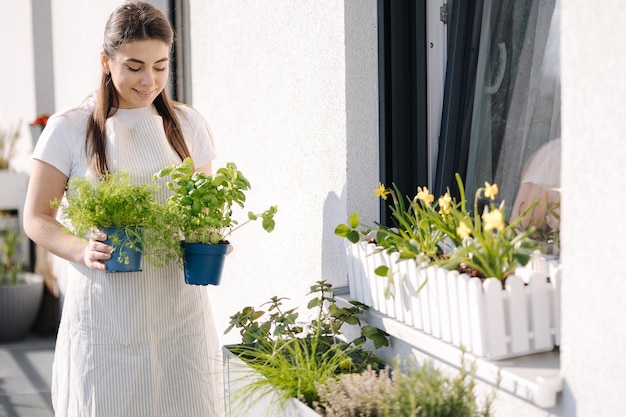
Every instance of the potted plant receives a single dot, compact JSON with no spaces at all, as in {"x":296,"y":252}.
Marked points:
{"x":8,"y":140}
{"x":476,"y":288}
{"x":128,"y":213}
{"x":290,"y":359}
{"x":201,"y":208}
{"x":20,"y":292}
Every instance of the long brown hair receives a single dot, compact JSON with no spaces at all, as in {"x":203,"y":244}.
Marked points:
{"x":132,"y":21}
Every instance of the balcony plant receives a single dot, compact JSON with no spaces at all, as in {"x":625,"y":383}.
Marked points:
{"x":20,"y":292}
{"x":201,"y":209}
{"x":8,"y":140}
{"x":456,"y":292}
{"x":128,"y":213}
{"x":407,"y":390}
{"x":294,"y":357}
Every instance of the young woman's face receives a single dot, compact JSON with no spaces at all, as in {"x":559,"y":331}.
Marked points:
{"x":139,"y":71}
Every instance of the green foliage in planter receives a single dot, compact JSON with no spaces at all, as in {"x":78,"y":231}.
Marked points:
{"x":115,"y":201}
{"x":295,"y":357}
{"x":10,"y":261}
{"x":406,"y":391}
{"x":202,"y":205}
{"x":445,"y":232}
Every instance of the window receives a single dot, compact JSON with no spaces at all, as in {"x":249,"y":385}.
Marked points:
{"x":500,"y":101}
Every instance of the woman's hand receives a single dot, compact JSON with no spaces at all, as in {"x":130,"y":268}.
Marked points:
{"x":96,"y":252}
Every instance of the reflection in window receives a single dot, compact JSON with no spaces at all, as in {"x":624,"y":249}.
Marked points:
{"x":517,"y":97}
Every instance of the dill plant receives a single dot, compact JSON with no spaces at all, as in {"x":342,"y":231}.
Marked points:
{"x":115,"y":201}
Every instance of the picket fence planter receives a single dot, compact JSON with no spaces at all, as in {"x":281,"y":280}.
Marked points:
{"x":481,"y":317}
{"x":238,"y":374}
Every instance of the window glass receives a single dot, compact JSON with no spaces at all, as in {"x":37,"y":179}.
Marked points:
{"x":515,"y":124}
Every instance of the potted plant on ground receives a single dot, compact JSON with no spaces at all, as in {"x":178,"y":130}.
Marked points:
{"x":201,"y":208}
{"x":128,"y":213}
{"x":290,"y":359}
{"x":20,"y":292}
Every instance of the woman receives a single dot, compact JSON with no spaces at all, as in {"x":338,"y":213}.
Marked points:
{"x":129,"y":344}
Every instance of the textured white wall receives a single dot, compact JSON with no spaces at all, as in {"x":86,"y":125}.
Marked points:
{"x":594,"y":148}
{"x":270,"y":78}
{"x":17,"y":77}
{"x":77,"y":31}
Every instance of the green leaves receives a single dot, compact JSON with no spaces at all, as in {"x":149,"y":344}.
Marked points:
{"x":297,"y":357}
{"x":349,"y":231}
{"x":202,"y":205}
{"x":442,"y":231}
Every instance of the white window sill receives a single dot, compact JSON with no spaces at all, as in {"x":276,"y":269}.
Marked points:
{"x":535,"y":378}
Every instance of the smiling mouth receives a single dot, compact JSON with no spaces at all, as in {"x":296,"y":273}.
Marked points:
{"x":143,"y":93}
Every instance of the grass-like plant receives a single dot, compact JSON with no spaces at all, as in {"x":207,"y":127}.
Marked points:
{"x":114,"y":200}
{"x":295,"y":357}
{"x":10,"y":259}
{"x":202,"y":205}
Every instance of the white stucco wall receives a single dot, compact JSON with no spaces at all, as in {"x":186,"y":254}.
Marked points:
{"x":277,"y":86}
{"x":593,"y":175}
{"x":77,"y":31}
{"x":17,"y":89}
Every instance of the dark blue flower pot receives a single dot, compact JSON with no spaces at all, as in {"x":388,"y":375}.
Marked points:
{"x":128,"y":253}
{"x":204,"y":263}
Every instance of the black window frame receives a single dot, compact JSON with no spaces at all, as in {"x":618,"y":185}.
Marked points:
{"x":403,"y":129}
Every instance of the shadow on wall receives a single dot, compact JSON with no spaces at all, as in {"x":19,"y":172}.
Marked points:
{"x":333,"y":252}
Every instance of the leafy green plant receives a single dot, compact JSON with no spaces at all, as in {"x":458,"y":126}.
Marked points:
{"x":202,"y":205}
{"x":294,"y":357}
{"x":115,"y":201}
{"x":10,"y":261}
{"x":490,"y":247}
{"x":419,"y":226}
{"x":406,"y":391}
{"x":445,"y":232}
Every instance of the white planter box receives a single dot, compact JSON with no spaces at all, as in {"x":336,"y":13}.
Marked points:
{"x":481,"y":317}
{"x":237,"y":375}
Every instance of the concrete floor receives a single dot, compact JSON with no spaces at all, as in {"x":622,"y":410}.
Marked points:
{"x":25,"y":377}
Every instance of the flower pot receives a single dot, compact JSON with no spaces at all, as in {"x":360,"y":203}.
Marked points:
{"x":19,"y":305}
{"x":127,"y":255}
{"x":482,"y":317}
{"x":204,"y":263}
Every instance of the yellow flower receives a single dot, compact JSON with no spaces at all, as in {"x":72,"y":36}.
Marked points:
{"x":491,"y":191}
{"x":444,"y":204}
{"x":493,"y":220}
{"x":381,"y":191}
{"x":463,"y":231}
{"x":424,"y":195}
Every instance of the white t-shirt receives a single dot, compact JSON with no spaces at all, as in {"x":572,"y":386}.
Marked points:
{"x":62,"y":143}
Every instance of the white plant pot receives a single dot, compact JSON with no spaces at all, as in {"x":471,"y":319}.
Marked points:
{"x":482,"y":317}
{"x":237,"y":374}
{"x":19,"y":305}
